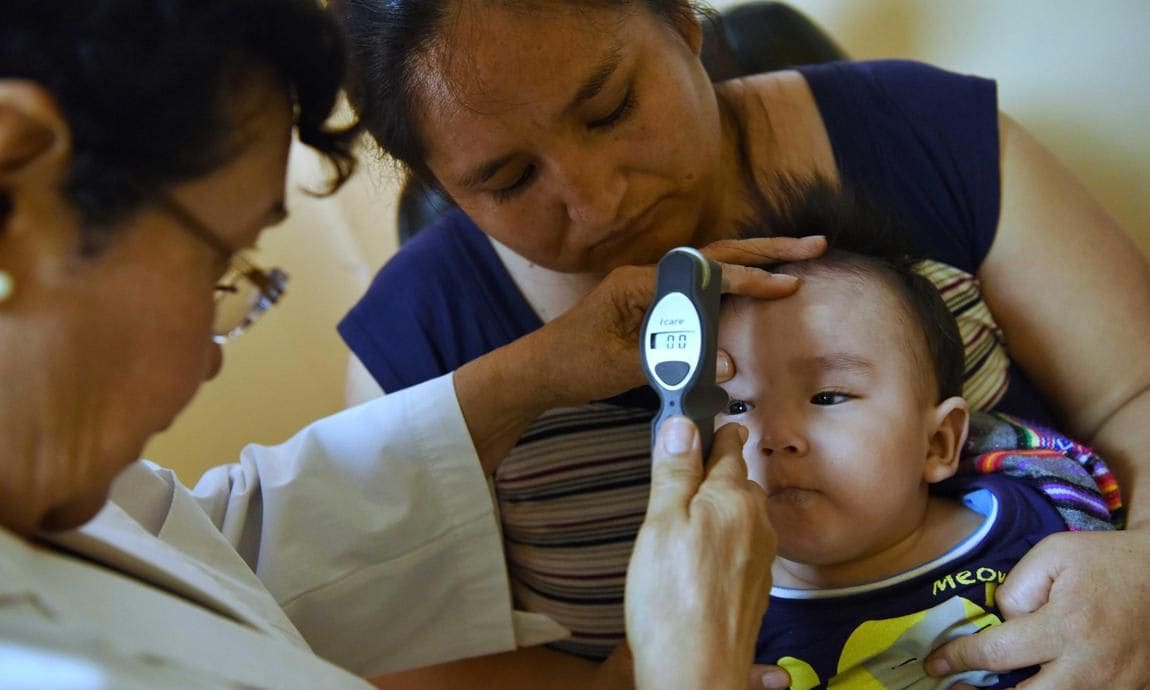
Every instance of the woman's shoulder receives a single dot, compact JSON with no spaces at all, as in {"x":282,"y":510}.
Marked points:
{"x":884,"y":72}
{"x":850,"y":83}
{"x":443,"y":299}
{"x":779,"y":124}
{"x":914,"y":92}
{"x":440,"y":248}
{"x":922,"y":139}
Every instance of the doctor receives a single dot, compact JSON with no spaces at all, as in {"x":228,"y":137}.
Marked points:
{"x":143,"y":149}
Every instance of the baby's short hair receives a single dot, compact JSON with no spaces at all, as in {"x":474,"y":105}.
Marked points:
{"x":868,"y":240}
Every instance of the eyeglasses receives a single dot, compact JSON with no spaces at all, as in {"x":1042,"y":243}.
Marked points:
{"x":245,"y":291}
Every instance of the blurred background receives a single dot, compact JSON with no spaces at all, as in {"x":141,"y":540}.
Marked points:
{"x":1072,"y":72}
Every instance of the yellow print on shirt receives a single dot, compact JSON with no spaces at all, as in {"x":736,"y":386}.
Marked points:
{"x":889,"y":653}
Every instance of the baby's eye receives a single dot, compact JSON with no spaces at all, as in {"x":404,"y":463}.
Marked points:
{"x":829,"y":398}
{"x":737,"y":407}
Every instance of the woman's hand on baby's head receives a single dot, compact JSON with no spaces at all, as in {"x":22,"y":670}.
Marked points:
{"x":739,"y":278}
{"x":742,"y":262}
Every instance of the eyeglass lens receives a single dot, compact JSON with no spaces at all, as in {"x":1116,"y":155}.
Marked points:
{"x":242,"y":296}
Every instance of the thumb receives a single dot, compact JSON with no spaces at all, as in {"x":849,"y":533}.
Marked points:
{"x":769,"y":677}
{"x":677,"y":466}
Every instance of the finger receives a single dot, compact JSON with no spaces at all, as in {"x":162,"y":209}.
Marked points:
{"x":758,"y":251}
{"x":770,"y":677}
{"x":1015,"y":644}
{"x":757,"y":282}
{"x":1027,"y":587}
{"x":677,"y":467}
{"x":724,"y":367}
{"x":726,"y":461}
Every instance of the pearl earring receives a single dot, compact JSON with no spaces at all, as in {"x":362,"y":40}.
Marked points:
{"x":7,"y":285}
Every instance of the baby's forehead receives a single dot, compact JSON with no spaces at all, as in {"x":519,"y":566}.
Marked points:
{"x":833,"y":301}
{"x":849,"y":278}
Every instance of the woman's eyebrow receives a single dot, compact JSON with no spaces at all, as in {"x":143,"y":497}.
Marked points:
{"x":595,"y":82}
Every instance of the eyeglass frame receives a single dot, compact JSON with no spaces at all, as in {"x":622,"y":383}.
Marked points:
{"x":268,"y":284}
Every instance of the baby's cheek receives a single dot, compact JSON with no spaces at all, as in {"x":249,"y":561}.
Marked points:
{"x":756,"y":467}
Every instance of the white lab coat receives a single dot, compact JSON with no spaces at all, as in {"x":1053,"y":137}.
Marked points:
{"x":371,"y":535}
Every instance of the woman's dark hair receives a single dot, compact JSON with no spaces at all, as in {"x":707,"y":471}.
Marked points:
{"x":864,"y":237}
{"x":150,"y":87}
{"x":389,"y":41}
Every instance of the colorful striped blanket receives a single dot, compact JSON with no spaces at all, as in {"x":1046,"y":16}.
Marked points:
{"x":1072,"y":476}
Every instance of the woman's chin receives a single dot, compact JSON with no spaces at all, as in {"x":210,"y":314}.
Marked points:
{"x":75,"y":512}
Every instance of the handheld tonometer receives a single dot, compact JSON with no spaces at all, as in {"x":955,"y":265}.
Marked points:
{"x":679,"y":336}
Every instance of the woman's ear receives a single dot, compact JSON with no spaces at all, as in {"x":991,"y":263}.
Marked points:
{"x":947,"y":437}
{"x":35,"y":151}
{"x":34,"y":136}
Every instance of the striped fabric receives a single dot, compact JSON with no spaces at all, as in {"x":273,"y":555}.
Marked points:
{"x":1076,"y":481}
{"x":985,"y":378}
{"x":572,"y":494}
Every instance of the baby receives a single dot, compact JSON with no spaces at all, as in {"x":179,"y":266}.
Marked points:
{"x":851,"y":390}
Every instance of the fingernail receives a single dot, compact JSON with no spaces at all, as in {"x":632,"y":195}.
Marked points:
{"x":938,"y":667}
{"x":678,"y":435}
{"x":723,"y":368}
{"x":743,"y":434}
{"x":812,"y":239}
{"x":776,"y":679}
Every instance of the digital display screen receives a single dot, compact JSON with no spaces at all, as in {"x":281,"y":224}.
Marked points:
{"x":670,"y":340}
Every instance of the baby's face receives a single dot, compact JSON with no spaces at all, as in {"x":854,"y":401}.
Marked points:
{"x":838,"y":414}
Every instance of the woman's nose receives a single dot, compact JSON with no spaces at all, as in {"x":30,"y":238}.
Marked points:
{"x":593,"y":193}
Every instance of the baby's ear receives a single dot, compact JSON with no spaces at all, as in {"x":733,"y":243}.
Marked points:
{"x":947,"y":437}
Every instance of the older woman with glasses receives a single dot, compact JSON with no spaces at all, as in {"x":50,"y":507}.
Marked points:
{"x":143,"y":148}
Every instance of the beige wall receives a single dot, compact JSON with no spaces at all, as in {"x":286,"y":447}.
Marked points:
{"x":1072,"y":72}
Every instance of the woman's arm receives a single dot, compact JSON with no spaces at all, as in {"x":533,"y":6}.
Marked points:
{"x":1072,"y":293}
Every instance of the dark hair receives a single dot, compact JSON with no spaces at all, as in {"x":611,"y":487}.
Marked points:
{"x":149,"y":87}
{"x":866,"y":238}
{"x":388,"y":42}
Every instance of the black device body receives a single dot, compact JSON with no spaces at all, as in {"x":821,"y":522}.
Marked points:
{"x":679,"y":335}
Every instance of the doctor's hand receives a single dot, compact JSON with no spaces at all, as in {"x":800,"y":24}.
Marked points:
{"x":700,"y":574}
{"x":1076,"y":604}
